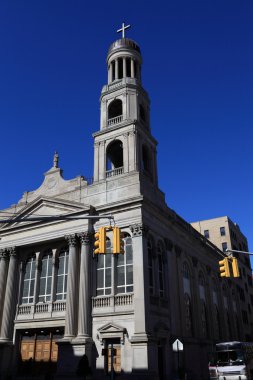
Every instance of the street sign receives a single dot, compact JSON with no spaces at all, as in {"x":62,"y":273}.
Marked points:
{"x":177,"y":346}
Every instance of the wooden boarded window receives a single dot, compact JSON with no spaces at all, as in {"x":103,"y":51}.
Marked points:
{"x":116,"y":359}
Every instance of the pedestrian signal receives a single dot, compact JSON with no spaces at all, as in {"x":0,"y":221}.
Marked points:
{"x":224,"y":268}
{"x":118,"y":242}
{"x":100,"y":241}
{"x":235,"y":268}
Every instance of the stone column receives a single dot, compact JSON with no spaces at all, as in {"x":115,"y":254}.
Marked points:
{"x":116,"y":69}
{"x":132,"y":68}
{"x":37,"y":279}
{"x":124,"y":67}
{"x":84,"y":287}
{"x":140,"y":278}
{"x":96,"y":162}
{"x":10,"y":298}
{"x":132,"y":151}
{"x":102,"y":160}
{"x":72,"y":289}
{"x":4,"y":259}
{"x":110,"y":73}
{"x":54,"y":279}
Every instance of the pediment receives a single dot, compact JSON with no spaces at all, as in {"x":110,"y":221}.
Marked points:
{"x":46,"y":207}
{"x":111,"y":330}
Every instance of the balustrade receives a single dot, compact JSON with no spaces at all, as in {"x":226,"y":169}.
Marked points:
{"x":114,"y":172}
{"x":41,"y":308}
{"x":113,"y":301}
{"x":115,"y":120}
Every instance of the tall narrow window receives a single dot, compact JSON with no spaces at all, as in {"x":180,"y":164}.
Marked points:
{"x":150,"y":266}
{"x":29,"y":281}
{"x":125,"y":268}
{"x":224,"y":246}
{"x":62,"y":274}
{"x":188,"y":313}
{"x":104,"y":272}
{"x":206,"y":234}
{"x":187,"y":299}
{"x":222,"y":231}
{"x":160,"y":256}
{"x":46,"y":277}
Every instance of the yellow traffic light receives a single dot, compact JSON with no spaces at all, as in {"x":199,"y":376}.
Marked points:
{"x":224,"y":267}
{"x":235,"y":268}
{"x":118,"y":243}
{"x":100,"y":242}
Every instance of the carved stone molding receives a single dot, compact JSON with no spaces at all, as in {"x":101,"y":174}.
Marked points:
{"x":139,"y":229}
{"x":71,"y":239}
{"x":85,"y":238}
{"x":208,"y":269}
{"x":4,"y":254}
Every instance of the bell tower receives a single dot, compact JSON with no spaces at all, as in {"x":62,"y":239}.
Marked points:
{"x":124,"y":144}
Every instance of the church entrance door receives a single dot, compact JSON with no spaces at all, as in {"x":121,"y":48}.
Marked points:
{"x":39,"y":352}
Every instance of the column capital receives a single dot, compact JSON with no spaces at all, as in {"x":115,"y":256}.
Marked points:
{"x":71,"y":239}
{"x":12,"y":252}
{"x":139,"y":229}
{"x":4,"y":253}
{"x":85,"y":237}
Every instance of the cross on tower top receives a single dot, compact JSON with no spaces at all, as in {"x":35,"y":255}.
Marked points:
{"x":124,"y":27}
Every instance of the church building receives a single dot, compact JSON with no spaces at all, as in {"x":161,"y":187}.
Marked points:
{"x":61,"y":303}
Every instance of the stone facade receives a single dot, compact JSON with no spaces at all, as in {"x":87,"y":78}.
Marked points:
{"x":58,"y":302}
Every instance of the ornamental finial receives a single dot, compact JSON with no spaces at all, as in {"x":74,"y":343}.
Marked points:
{"x":56,"y":160}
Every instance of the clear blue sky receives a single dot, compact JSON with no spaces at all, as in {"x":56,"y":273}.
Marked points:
{"x":197,"y":68}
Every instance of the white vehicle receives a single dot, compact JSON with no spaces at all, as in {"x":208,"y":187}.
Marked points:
{"x":232,"y":361}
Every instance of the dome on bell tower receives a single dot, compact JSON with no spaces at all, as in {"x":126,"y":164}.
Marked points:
{"x":123,"y":44}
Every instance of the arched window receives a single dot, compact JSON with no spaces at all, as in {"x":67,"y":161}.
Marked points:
{"x":202,"y":287}
{"x":115,"y":109}
{"x":188,"y":313}
{"x":217,"y":322}
{"x":124,"y":268}
{"x":203,"y":318}
{"x":114,"y":155}
{"x":29,"y":280}
{"x":104,"y":272}
{"x":160,"y":257}
{"x":62,"y":274}
{"x":46,"y":277}
{"x":151,"y":266}
{"x":186,"y":279}
{"x":187,"y":298}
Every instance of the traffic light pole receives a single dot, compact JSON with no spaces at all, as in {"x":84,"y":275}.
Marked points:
{"x":234,"y":250}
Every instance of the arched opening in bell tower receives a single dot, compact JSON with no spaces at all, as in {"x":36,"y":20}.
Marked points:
{"x":115,"y":109}
{"x":114,"y":158}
